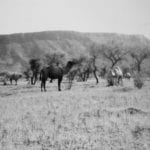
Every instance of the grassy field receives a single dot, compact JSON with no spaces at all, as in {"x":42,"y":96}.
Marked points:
{"x":87,"y":117}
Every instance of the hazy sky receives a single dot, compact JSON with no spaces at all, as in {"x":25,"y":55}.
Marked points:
{"x":121,"y":16}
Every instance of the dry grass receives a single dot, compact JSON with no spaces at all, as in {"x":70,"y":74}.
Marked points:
{"x":87,"y":117}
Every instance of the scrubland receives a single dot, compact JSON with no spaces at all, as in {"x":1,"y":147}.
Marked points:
{"x":86,"y":117}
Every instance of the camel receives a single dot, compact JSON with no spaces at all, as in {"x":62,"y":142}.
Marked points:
{"x":115,"y":76}
{"x":119,"y":74}
{"x":54,"y":72}
{"x":14,"y":76}
{"x":10,"y":76}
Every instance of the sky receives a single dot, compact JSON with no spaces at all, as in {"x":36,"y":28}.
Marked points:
{"x":112,"y":16}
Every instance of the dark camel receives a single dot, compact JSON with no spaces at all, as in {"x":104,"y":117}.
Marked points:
{"x":54,"y":72}
{"x":14,"y":77}
{"x":11,"y":76}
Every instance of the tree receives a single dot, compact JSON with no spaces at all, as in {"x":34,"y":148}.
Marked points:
{"x":27,"y":73}
{"x":84,"y":66}
{"x":93,"y":66}
{"x":139,"y":57}
{"x":79,"y":69}
{"x":103,"y":71}
{"x":82,"y":69}
{"x":56,"y":58}
{"x":95,"y":51}
{"x":114,"y":53}
{"x":35,"y":69}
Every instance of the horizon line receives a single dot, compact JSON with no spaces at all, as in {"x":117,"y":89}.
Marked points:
{"x":30,"y":32}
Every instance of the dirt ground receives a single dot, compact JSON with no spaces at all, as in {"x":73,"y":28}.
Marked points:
{"x":87,"y":117}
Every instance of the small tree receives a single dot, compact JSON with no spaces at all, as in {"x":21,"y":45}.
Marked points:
{"x":35,"y":68}
{"x":56,"y":58}
{"x":139,"y":57}
{"x":103,"y":72}
{"x":114,"y":53}
{"x":138,"y":82}
{"x":80,"y":69}
{"x":95,"y":52}
{"x":27,"y":73}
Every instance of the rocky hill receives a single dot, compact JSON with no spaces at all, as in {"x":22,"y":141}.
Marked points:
{"x":17,"y":49}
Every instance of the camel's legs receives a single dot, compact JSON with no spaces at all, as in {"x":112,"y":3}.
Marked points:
{"x":41,"y":86}
{"x":59,"y":84}
{"x":45,"y":86}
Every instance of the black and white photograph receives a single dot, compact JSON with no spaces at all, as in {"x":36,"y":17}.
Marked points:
{"x":74,"y":74}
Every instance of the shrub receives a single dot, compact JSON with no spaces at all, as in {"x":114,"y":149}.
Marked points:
{"x":138,"y":82}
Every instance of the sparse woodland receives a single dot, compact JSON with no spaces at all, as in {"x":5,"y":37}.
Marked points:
{"x":89,"y":116}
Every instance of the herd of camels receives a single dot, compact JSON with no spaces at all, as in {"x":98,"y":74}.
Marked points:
{"x":114,"y":75}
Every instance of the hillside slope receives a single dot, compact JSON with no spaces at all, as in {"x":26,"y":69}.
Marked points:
{"x":17,"y":49}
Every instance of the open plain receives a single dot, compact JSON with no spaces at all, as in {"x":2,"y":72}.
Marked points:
{"x":86,"y":117}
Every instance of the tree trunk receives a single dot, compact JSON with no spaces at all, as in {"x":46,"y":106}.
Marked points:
{"x":31,"y":80}
{"x":34,"y":78}
{"x":113,"y":64}
{"x":139,"y":68}
{"x":94,"y":72}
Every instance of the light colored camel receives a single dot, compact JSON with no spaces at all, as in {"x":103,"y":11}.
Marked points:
{"x":115,"y":76}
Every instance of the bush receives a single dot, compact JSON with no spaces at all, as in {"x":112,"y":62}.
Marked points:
{"x":138,"y":82}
